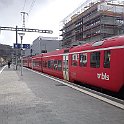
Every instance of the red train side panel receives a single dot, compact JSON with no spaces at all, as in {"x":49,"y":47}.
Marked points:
{"x":99,"y":64}
{"x":37,"y":62}
{"x":52,"y":63}
{"x":91,"y":65}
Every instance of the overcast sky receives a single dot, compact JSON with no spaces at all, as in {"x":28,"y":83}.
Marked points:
{"x":43,"y":14}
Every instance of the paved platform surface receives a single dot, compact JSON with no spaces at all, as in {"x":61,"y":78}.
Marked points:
{"x":34,"y":99}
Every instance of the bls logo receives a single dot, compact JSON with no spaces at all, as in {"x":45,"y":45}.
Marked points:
{"x":103,"y":76}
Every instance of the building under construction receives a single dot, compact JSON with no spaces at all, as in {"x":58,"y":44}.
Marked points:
{"x":93,"y":21}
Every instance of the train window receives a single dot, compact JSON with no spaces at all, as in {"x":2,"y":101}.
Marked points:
{"x":45,"y":64}
{"x":107,"y":59}
{"x":55,"y":64}
{"x":98,"y":43}
{"x":36,"y":63}
{"x":74,"y":59}
{"x":59,"y":65}
{"x":83,"y":59}
{"x":25,"y":61}
{"x":50,"y":64}
{"x":33,"y":63}
{"x":95,"y":59}
{"x":39,"y":63}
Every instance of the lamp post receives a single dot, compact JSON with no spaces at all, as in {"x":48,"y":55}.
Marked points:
{"x":21,"y":36}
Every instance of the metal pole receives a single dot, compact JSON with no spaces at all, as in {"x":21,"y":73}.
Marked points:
{"x":21,"y":57}
{"x":16,"y":48}
{"x":21,"y":36}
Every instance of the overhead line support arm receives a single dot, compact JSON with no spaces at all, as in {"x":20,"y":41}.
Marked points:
{"x":26,"y":30}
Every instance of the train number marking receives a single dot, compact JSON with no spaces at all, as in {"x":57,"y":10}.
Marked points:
{"x":103,"y":76}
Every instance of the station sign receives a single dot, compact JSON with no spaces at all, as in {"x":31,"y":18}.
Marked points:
{"x":17,"y":45}
{"x":25,"y":46}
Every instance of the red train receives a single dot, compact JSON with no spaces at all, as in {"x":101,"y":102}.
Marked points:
{"x":99,"y":64}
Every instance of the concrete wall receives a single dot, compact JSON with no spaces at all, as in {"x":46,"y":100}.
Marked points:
{"x":42,"y":44}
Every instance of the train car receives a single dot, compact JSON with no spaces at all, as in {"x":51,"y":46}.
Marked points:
{"x":52,"y":63}
{"x":25,"y":62}
{"x":37,"y":62}
{"x":99,"y":64}
{"x":30,"y":62}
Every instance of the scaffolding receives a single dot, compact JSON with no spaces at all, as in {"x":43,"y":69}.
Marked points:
{"x":95,"y":21}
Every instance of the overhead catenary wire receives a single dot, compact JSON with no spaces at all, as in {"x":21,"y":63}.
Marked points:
{"x":24,"y":5}
{"x":23,"y":13}
{"x":32,"y":5}
{"x":30,"y":8}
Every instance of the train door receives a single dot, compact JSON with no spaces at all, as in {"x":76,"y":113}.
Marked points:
{"x":65,"y":67}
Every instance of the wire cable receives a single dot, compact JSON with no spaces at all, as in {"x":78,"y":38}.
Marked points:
{"x":32,"y":5}
{"x":24,"y":5}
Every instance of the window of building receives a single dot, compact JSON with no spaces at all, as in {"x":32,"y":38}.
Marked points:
{"x":83,"y":59}
{"x":107,"y":59}
{"x":75,"y":59}
{"x":95,"y":60}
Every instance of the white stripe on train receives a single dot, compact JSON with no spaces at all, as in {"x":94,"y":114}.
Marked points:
{"x":88,"y":51}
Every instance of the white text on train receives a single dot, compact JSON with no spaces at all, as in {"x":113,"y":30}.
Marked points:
{"x":103,"y":76}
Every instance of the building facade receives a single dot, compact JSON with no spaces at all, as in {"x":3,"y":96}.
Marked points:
{"x":43,"y":45}
{"x":6,"y":52}
{"x":93,"y":21}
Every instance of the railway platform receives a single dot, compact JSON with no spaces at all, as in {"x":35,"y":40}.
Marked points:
{"x":36,"y":99}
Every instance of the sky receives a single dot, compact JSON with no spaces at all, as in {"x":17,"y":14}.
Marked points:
{"x":42,"y":14}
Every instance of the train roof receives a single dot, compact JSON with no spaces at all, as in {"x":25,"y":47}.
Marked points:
{"x":109,"y":42}
{"x":37,"y":56}
{"x":54,"y":52}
